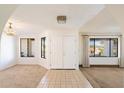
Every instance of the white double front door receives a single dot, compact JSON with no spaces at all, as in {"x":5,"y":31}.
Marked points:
{"x":63,"y":52}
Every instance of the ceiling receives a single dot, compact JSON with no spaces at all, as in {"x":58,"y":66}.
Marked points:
{"x":44,"y":16}
{"x":101,"y":23}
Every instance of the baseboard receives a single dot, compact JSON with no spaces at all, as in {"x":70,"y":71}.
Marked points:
{"x":7,"y":67}
{"x":104,"y":65}
{"x":63,"y":69}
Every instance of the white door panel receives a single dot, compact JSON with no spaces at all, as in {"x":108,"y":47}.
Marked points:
{"x":63,"y":52}
{"x":69,"y":58}
{"x":56,"y":53}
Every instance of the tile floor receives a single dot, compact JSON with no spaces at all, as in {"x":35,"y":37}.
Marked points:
{"x":64,"y":79}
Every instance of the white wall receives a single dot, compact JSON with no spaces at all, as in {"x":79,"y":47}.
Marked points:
{"x":8,"y":51}
{"x":37,"y":47}
{"x":104,"y":61}
{"x":7,"y":56}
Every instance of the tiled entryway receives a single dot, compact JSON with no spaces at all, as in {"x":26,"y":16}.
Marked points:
{"x":64,"y":79}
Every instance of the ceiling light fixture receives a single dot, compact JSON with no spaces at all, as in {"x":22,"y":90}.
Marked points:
{"x":61,"y":19}
{"x":10,"y":30}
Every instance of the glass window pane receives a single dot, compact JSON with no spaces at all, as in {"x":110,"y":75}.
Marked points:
{"x":43,"y":50}
{"x":27,"y":48}
{"x":92,"y":51}
{"x":101,"y":47}
{"x":114,"y":47}
{"x":23,"y":45}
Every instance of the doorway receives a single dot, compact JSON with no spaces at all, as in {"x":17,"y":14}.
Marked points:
{"x":63,"y":52}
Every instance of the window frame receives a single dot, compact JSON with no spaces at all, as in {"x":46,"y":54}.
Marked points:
{"x":26,"y":47}
{"x":43,"y":54}
{"x":110,"y":48}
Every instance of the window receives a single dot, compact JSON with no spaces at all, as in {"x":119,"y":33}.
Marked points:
{"x":27,"y":47}
{"x":114,"y":47}
{"x":103,"y":47}
{"x":92,"y":47}
{"x":43,"y":47}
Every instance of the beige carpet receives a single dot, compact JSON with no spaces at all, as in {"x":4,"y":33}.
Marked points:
{"x":104,"y":77}
{"x":22,"y":76}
